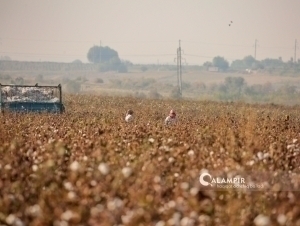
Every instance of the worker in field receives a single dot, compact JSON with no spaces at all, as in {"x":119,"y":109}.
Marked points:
{"x":129,"y":116}
{"x":171,"y":118}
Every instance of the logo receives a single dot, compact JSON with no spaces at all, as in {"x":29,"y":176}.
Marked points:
{"x":202,"y":181}
{"x":207,"y":179}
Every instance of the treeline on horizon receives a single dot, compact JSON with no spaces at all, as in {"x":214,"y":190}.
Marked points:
{"x":268,"y":65}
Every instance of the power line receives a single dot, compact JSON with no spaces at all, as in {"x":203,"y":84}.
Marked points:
{"x":216,"y":44}
{"x":145,"y":41}
{"x":194,"y":55}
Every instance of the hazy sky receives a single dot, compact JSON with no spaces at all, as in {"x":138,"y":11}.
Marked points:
{"x":148,"y":31}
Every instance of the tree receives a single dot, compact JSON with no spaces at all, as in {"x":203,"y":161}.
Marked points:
{"x":5,"y":58}
{"x":144,"y":68}
{"x":234,"y":82}
{"x":122,"y":68}
{"x":221,"y":63}
{"x":272,"y":63}
{"x":207,"y":64}
{"x":77,"y":61}
{"x":99,"y":54}
{"x":232,"y":88}
{"x":249,"y":61}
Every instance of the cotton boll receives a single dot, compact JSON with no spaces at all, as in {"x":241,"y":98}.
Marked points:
{"x":126,"y":171}
{"x":171,"y":159}
{"x":191,"y":153}
{"x":75,"y":166}
{"x":103,"y":168}
{"x":262,"y":220}
{"x":281,"y":219}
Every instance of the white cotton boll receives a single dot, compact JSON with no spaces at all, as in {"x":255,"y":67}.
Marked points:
{"x":151,"y":140}
{"x":7,"y":167}
{"x":203,"y":171}
{"x":262,"y":220}
{"x":127,"y":217}
{"x":250,"y":163}
{"x":184,"y":185}
{"x":93,"y":183}
{"x":71,"y":195}
{"x":171,"y":159}
{"x":281,"y":219}
{"x":171,"y":204}
{"x":74,"y":166}
{"x":260,"y":155}
{"x":290,"y":146}
{"x":35,"y":168}
{"x":186,"y":221}
{"x":176,"y":218}
{"x":96,"y":210}
{"x":191,"y":153}
{"x":204,"y":218}
{"x":193,"y":214}
{"x":114,"y":204}
{"x":103,"y":168}
{"x":67,"y":215}
{"x":194,"y":191}
{"x":34,"y":210}
{"x":126,"y":171}
{"x":160,"y":223}
{"x":157,"y":179}
{"x":68,"y":186}
{"x":10,"y":219}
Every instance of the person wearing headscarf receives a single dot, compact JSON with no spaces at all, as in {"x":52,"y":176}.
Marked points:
{"x":171,"y":118}
{"x":129,"y":116}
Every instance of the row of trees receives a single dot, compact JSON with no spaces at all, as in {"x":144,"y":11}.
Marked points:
{"x":250,"y":62}
{"x":108,"y":59}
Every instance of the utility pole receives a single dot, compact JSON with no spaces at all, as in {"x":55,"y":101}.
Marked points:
{"x":100,"y":52}
{"x":295,"y":54}
{"x":179,"y":70}
{"x":255,"y":49}
{"x":94,"y":54}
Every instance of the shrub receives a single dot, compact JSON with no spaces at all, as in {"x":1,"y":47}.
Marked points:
{"x":153,"y":94}
{"x":99,"y":80}
{"x":73,"y":87}
{"x":140,"y":95}
{"x":175,"y":93}
{"x":19,"y":81}
{"x":122,"y":68}
{"x":39,"y":78}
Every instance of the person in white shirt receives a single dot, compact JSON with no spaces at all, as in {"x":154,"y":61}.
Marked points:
{"x":171,"y":118}
{"x":129,"y":116}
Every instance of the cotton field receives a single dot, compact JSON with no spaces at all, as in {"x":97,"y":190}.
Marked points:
{"x":89,"y":166}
